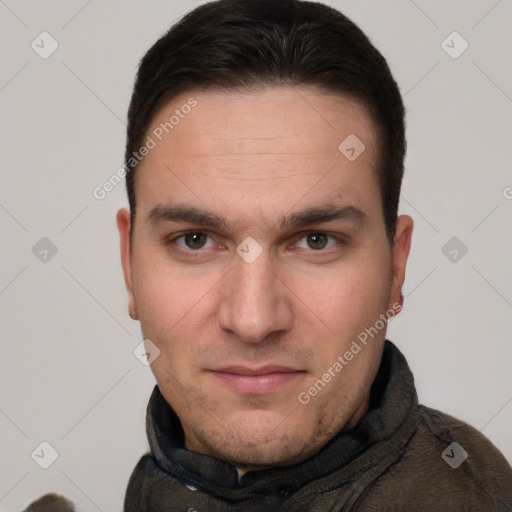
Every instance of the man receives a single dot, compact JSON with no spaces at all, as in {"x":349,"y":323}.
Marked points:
{"x":263,"y":255}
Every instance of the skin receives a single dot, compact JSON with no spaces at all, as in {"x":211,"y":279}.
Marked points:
{"x":253,"y":157}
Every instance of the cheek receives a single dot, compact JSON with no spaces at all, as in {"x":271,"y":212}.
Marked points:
{"x":349,"y":294}
{"x":168,"y":299}
{"x":346,"y":301}
{"x":169,"y":310}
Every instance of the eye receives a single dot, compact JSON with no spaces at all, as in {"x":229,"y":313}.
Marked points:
{"x":317,"y":241}
{"x":193,"y":240}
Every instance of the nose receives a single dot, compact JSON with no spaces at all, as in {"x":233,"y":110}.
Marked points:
{"x":255,"y":305}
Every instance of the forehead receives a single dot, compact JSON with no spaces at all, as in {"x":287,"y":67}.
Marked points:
{"x":261,"y":143}
{"x":263,"y":116}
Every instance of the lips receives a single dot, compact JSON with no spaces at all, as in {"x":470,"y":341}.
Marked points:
{"x":265,"y":379}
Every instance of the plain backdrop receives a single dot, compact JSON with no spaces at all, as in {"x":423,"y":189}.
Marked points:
{"x":68,"y":375}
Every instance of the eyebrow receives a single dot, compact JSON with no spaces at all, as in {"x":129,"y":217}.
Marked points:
{"x":308,"y":216}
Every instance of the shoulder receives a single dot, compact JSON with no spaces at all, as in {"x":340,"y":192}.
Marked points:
{"x":461,"y":461}
{"x":463,"y":446}
{"x":448,"y":465}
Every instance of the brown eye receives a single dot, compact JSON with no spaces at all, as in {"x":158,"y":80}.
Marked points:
{"x":195,"y":239}
{"x":317,"y":240}
{"x":320,"y":242}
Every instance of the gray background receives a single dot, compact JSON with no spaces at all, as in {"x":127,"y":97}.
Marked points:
{"x":67,"y":372}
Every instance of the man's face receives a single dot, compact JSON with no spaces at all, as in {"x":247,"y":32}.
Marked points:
{"x":247,"y":337}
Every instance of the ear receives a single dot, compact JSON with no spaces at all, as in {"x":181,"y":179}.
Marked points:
{"x":124,"y":227}
{"x":400,"y":253}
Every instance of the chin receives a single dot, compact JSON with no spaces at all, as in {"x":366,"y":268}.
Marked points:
{"x":254,"y":455}
{"x":257,"y":440}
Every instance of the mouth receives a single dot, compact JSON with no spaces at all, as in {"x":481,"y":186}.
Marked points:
{"x":265,"y":379}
